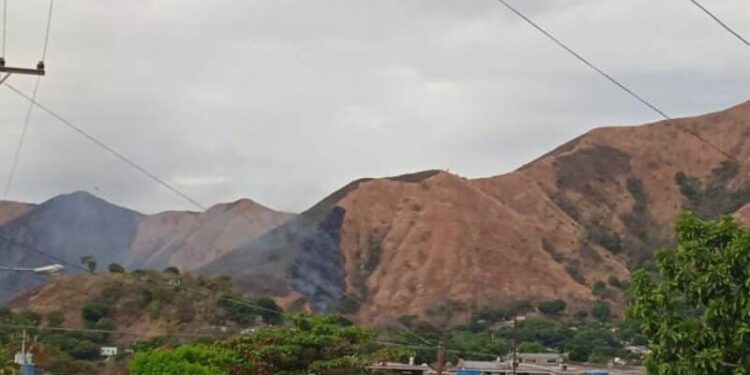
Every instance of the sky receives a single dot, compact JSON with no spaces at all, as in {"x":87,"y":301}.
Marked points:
{"x":285,"y":101}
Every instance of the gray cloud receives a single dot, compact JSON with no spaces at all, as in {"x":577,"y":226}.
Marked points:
{"x":284,"y":101}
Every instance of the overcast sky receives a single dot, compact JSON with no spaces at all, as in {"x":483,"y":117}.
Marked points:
{"x":285,"y":101}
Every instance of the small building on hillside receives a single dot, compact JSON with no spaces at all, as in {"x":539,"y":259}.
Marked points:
{"x":540,"y":359}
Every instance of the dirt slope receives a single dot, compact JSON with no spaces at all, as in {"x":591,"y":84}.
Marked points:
{"x":10,"y":210}
{"x":189,"y":240}
{"x":438,"y":245}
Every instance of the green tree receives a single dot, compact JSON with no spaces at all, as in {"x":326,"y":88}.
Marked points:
{"x":89,"y":262}
{"x":600,"y":311}
{"x":116,"y":268}
{"x":186,"y":360}
{"x":531,"y":347}
{"x":325,"y":345}
{"x":93,"y":312}
{"x":269,"y":311}
{"x":599,"y":288}
{"x":555,"y":307}
{"x":696,"y":314}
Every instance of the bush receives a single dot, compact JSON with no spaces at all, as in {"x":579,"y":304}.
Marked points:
{"x":599,"y":288}
{"x":581,"y":315}
{"x":614,"y":282}
{"x":532,"y":347}
{"x":93,"y":312}
{"x":116,"y":268}
{"x":85,"y":350}
{"x":555,"y":307}
{"x":55,"y":319}
{"x":173,"y":270}
{"x":269,"y":311}
{"x":348,"y":305}
{"x":600,"y":311}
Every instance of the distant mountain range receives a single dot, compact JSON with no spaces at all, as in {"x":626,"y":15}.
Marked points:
{"x":434,"y":244}
{"x":72,"y":226}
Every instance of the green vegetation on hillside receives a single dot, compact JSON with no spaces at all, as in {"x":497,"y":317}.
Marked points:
{"x":696,"y":312}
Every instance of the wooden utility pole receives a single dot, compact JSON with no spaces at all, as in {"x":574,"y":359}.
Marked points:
{"x":515,"y":343}
{"x":440,"y":356}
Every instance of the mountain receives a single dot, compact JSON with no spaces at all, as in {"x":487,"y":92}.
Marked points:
{"x":189,"y":240}
{"x":438,"y":245}
{"x":10,"y":210}
{"x":68,"y":227}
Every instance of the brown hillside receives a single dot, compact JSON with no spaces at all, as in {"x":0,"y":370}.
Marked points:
{"x":438,"y":245}
{"x":140,"y":306}
{"x":189,"y":240}
{"x":10,"y":210}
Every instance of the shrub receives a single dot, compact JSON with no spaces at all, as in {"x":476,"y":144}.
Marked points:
{"x":599,"y":288}
{"x":581,"y":315}
{"x":348,"y":305}
{"x":173,"y":270}
{"x":600,"y":311}
{"x":93,"y":312}
{"x":636,"y":189}
{"x":555,"y":307}
{"x":116,"y":268}
{"x":55,"y":319}
{"x":531,"y":347}
{"x":614,"y":282}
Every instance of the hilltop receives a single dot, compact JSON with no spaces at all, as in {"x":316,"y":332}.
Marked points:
{"x":438,"y":245}
{"x":71,"y":226}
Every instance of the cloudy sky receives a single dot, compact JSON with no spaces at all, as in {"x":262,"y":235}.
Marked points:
{"x":284,"y":101}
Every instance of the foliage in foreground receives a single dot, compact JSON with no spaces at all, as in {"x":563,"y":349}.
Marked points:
{"x":697,"y":313}
{"x":325,"y":345}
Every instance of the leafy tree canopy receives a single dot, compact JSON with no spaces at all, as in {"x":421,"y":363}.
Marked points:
{"x":696,"y":314}
{"x":194,"y":359}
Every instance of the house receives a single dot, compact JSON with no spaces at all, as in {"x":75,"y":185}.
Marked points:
{"x":108,"y":351}
{"x":400,"y":368}
{"x":540,"y":359}
{"x":482,"y":368}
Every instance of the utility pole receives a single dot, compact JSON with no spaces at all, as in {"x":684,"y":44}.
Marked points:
{"x":24,"y":359}
{"x":515,"y":343}
{"x":440,"y":356}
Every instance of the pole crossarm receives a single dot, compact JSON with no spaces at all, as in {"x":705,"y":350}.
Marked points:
{"x":39,"y":71}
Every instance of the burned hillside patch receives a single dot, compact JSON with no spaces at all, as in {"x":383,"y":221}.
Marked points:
{"x":585,"y":171}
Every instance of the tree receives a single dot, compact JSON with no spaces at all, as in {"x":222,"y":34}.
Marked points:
{"x":269,"y":311}
{"x":599,"y":288}
{"x":189,"y":359}
{"x":324,"y":345}
{"x":696,"y":314}
{"x":173,"y":270}
{"x":614,"y":282}
{"x":555,"y":307}
{"x":532,"y":347}
{"x":89,"y":262}
{"x":116,"y":268}
{"x":93,"y":312}
{"x":600,"y":311}
{"x":581,"y":315}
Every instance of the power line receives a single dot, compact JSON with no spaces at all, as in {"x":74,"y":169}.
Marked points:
{"x":108,"y":148}
{"x":5,"y":25}
{"x":720,"y":22}
{"x":25,"y":128}
{"x":584,"y":60}
{"x":92,"y":330}
{"x":46,"y":34}
{"x":611,"y":79}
